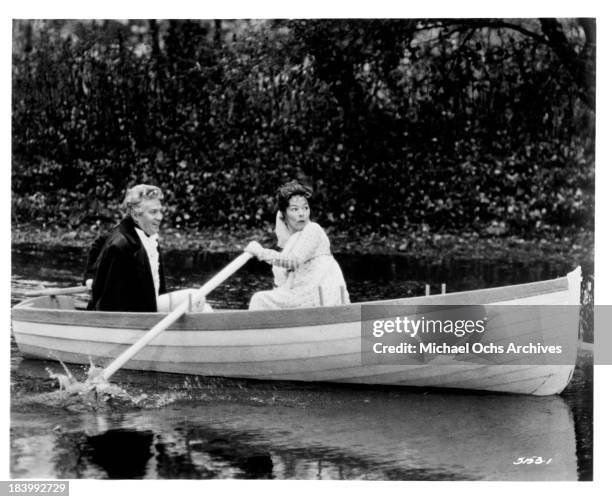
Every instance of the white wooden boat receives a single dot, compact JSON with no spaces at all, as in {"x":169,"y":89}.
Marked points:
{"x":312,"y":344}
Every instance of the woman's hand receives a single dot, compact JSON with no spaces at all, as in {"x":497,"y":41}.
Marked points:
{"x":255,"y":248}
{"x":270,"y":256}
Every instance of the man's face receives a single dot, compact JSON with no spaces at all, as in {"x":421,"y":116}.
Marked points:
{"x":151,"y":216}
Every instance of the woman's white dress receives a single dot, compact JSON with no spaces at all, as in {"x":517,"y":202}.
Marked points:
{"x":305,"y":274}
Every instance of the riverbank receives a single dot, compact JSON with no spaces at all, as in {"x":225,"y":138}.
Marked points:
{"x":429,"y":245}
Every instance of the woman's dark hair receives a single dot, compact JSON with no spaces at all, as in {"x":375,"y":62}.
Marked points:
{"x":288,"y":190}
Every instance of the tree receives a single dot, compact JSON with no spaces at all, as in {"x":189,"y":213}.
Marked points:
{"x":573,"y":41}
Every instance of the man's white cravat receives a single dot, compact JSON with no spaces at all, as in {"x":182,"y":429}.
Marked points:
{"x":150,"y":245}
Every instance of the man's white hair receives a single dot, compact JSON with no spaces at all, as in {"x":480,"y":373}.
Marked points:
{"x":132,"y":204}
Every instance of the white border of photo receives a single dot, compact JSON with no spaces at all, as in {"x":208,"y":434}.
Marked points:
{"x":305,"y":490}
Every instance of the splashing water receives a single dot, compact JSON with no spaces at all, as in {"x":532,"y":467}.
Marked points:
{"x":95,"y":390}
{"x":97,"y":394}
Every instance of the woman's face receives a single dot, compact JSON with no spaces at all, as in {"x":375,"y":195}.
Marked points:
{"x":297,"y":213}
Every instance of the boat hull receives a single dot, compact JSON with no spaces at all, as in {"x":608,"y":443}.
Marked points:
{"x":322,"y":344}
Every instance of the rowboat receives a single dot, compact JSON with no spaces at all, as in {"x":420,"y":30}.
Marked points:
{"x":316,"y":344}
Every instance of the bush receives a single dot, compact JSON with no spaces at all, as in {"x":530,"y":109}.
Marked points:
{"x":394,"y":129}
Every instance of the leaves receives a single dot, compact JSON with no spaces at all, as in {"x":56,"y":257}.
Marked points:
{"x":398,"y":124}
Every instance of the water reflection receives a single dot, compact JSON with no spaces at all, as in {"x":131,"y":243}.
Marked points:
{"x":114,"y":454}
{"x":203,"y":452}
{"x":328,"y":433}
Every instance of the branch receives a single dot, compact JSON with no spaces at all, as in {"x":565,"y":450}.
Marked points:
{"x":580,"y":67}
{"x":577,"y":66}
{"x":470,"y":24}
{"x":588,"y":26}
{"x":511,"y":26}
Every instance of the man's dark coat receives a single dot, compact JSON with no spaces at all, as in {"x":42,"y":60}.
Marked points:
{"x":123,"y":281}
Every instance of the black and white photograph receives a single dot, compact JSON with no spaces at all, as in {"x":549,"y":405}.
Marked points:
{"x":302,"y":248}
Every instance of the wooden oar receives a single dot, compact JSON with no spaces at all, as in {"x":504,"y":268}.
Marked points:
{"x":174,"y":315}
{"x":58,"y":291}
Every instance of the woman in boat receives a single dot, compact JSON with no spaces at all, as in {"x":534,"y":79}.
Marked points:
{"x":305,"y":272}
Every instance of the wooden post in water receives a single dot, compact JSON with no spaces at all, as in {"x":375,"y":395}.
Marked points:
{"x":426,"y":289}
{"x":55,"y":301}
{"x":443,"y":288}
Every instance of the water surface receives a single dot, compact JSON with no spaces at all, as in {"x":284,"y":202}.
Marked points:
{"x":202,"y":428}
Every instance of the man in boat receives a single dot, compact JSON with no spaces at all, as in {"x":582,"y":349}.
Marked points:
{"x":128,"y":272}
{"x":92,"y":259}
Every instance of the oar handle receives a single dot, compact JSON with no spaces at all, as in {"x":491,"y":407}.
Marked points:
{"x":174,"y":315}
{"x":58,"y":291}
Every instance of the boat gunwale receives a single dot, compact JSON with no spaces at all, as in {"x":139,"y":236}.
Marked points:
{"x":244,"y":319}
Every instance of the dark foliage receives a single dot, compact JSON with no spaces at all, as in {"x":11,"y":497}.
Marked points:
{"x":444,"y":125}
